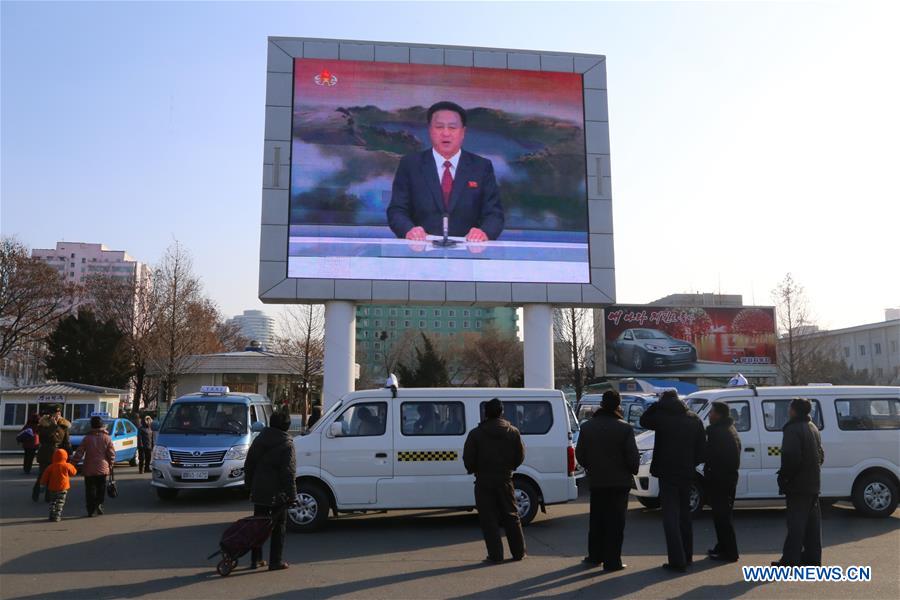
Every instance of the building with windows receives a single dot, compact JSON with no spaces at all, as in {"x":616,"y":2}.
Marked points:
{"x":380,"y":327}
{"x":873,"y":349}
{"x":76,"y":261}
{"x":255,"y":325}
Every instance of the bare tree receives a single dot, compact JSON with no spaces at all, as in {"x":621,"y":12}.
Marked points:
{"x":33,"y":297}
{"x":494,"y":357}
{"x":574,"y":348}
{"x":797,"y":351}
{"x":301,"y":344}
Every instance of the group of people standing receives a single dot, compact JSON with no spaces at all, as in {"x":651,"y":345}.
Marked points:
{"x":607,"y":450}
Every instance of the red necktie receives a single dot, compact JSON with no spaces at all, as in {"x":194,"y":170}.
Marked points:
{"x":447,"y":184}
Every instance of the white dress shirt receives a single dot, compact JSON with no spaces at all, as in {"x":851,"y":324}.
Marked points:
{"x":440,"y":160}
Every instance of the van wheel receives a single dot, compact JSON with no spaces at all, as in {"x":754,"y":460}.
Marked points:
{"x":526,"y":500}
{"x":311,"y":510}
{"x":650,"y":503}
{"x":166,"y":493}
{"x":875,"y":495}
{"x":696,"y":500}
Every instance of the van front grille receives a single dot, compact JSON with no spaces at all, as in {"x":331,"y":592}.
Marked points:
{"x":197,"y":457}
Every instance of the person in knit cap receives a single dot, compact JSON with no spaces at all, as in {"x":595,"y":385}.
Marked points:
{"x":56,"y":478}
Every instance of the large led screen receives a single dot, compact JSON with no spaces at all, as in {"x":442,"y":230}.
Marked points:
{"x":437,"y":173}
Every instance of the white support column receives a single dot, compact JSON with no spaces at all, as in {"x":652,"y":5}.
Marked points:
{"x":538,"y":331}
{"x":340,"y":351}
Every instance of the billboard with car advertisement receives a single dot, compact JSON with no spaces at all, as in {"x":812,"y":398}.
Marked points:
{"x":690,"y":341}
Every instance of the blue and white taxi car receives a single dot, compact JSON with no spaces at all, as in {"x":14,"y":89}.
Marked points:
{"x":122,"y":431}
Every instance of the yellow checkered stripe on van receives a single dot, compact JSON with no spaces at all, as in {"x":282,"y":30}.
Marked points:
{"x":427,"y":455}
{"x":774,"y":450}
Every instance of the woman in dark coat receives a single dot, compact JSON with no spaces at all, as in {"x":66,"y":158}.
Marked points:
{"x":146,"y":441}
{"x":30,"y":440}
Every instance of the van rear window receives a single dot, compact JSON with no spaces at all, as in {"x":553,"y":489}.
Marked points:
{"x":529,"y":417}
{"x":775,"y":414}
{"x":867,"y":414}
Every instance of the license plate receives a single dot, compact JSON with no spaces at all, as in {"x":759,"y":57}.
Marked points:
{"x":195,"y":475}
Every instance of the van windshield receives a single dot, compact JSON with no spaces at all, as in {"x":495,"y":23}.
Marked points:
{"x":206,"y":417}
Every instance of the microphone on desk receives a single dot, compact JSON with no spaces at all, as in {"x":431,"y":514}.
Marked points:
{"x":445,"y":242}
{"x":446,"y":219}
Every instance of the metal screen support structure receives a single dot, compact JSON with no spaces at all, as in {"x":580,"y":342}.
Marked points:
{"x":340,"y":351}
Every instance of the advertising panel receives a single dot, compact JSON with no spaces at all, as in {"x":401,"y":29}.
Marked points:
{"x":390,"y":180}
{"x":690,"y":341}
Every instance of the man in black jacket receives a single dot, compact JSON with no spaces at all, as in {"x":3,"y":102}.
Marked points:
{"x":492,"y":452}
{"x":720,"y":477}
{"x":798,"y":479}
{"x":677,"y":450}
{"x":606,"y":448}
{"x":269,"y":471}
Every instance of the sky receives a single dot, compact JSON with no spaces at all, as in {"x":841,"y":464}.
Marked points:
{"x":748,"y":140}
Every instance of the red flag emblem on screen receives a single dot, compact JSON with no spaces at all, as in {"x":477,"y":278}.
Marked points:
{"x":325,"y":78}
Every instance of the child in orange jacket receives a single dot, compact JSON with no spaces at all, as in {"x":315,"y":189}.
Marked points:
{"x":56,"y":478}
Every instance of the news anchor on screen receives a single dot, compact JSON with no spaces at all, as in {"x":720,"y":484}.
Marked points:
{"x":445,"y":180}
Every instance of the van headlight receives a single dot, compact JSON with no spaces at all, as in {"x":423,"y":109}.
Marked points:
{"x":160,"y":453}
{"x":237,"y":452}
{"x":646,"y":457}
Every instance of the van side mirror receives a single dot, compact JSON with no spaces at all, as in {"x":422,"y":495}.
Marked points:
{"x":154,"y":425}
{"x":257,"y":426}
{"x":336,"y":429}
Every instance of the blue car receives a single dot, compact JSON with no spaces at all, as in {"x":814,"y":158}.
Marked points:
{"x":122,"y":431}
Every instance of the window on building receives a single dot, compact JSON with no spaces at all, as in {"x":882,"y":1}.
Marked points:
{"x":77,"y":411}
{"x":465,"y":313}
{"x":465,"y":324}
{"x":436,"y":324}
{"x":451,"y":324}
{"x":393,"y":312}
{"x":422,"y":312}
{"x":377,"y":345}
{"x":421,"y":324}
{"x":477,"y":312}
{"x":437,"y":312}
{"x":72,"y":265}
{"x":83,"y":260}
{"x":432,"y":418}
{"x":377,"y":323}
{"x":407,"y":312}
{"x":879,"y":372}
{"x":71,"y":273}
{"x":862,"y":350}
{"x":858,"y":414}
{"x":846,"y":351}
{"x":451,"y":313}
{"x":14,"y":413}
{"x":366,"y":333}
{"x":392,"y":323}
{"x":775,"y":413}
{"x":877,"y":347}
{"x":893,"y":346}
{"x":73,"y":255}
{"x":477,"y":324}
{"x":406,"y":323}
{"x":377,"y":312}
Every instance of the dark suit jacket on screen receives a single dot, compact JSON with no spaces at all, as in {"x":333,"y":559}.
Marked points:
{"x":416,"y":198}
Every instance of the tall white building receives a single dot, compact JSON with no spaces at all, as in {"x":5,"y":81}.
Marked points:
{"x":77,"y":260}
{"x":256,"y":325}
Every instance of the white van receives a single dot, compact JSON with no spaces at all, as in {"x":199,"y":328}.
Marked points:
{"x":860,"y":428}
{"x":402,"y":449}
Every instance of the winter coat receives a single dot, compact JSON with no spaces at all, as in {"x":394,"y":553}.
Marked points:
{"x":56,"y":476}
{"x":493,"y":450}
{"x":606,"y":448}
{"x":146,"y":437}
{"x":801,"y":457}
{"x":53,"y":436}
{"x":98,"y":453}
{"x":270,"y":469}
{"x":680,"y":441}
{"x":723,"y":453}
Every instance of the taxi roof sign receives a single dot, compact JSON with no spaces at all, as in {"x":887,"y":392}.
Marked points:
{"x":100,"y":414}
{"x":214,"y":389}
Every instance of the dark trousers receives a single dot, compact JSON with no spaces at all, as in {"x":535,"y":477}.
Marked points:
{"x":675,"y":499}
{"x":803,"y":544}
{"x":720,"y":495}
{"x":606,"y":528}
{"x":144,"y":455}
{"x":29,"y":459}
{"x":36,"y":490}
{"x":496,"y":504}
{"x":94,"y":491}
{"x":279,"y":528}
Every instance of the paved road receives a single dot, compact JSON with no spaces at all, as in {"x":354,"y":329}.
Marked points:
{"x":143,"y":547}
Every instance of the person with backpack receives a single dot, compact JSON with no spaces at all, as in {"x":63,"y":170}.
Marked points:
{"x":269,"y":471}
{"x":53,"y":431}
{"x":29,"y":439}
{"x":98,"y":453}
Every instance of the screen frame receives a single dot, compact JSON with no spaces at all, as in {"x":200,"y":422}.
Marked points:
{"x":274,"y":284}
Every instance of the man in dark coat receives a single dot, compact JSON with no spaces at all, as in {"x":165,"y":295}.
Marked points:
{"x":798,"y":479}
{"x":606,"y":448}
{"x":270,"y":472}
{"x":146,"y":442}
{"x":53,"y":431}
{"x":677,"y":450}
{"x":720,"y":477}
{"x":493,"y":450}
